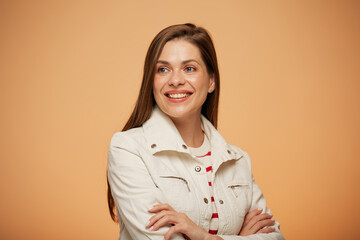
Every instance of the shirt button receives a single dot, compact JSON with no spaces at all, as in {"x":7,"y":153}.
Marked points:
{"x":153,"y":145}
{"x":184,"y":146}
{"x":206,"y":200}
{"x":221,"y":201}
{"x":197,"y":169}
{"x":228,"y":151}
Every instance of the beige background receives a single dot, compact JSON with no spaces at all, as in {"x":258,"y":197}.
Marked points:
{"x":70,"y":73}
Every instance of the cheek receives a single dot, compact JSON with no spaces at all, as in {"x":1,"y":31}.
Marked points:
{"x":157,"y":86}
{"x":201,"y":84}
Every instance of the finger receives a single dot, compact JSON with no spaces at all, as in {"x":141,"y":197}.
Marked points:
{"x":266,"y":230}
{"x":258,"y":218}
{"x":251,"y":214}
{"x":166,"y":219}
{"x":160,"y":207}
{"x":157,"y":216}
{"x":264,"y":223}
{"x":172,"y":231}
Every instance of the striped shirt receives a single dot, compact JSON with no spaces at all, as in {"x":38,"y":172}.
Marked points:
{"x":203,"y":153}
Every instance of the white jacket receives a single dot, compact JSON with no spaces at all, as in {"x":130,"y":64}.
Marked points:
{"x":151,"y":164}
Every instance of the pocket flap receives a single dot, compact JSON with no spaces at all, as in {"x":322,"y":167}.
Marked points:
{"x":238,"y":184}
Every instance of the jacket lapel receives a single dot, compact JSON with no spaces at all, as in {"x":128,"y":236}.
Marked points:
{"x":221,"y":151}
{"x":162,"y":135}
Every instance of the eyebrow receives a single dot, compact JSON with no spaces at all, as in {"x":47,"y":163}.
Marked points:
{"x":183,"y":62}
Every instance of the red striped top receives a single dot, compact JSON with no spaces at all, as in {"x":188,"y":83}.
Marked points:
{"x":206,"y":159}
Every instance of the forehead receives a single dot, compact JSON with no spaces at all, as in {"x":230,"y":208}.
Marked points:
{"x":180,"y":50}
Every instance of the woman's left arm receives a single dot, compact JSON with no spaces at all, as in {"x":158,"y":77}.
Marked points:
{"x":258,"y":201}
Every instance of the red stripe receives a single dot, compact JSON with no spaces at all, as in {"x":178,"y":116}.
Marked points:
{"x":208,"y":169}
{"x":210,"y":184}
{"x":212,"y":199}
{"x":213,"y":231}
{"x":215,"y":215}
{"x":208,"y":154}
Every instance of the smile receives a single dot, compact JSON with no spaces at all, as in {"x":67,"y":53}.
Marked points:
{"x":178,"y":95}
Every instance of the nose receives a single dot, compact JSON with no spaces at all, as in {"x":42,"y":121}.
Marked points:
{"x":176,"y":79}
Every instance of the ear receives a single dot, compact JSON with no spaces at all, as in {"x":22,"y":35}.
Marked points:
{"x":212,"y":83}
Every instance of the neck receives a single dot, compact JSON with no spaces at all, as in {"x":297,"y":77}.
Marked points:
{"x":190,"y":130}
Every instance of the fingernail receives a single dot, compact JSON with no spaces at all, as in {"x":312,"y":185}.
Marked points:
{"x":273,"y":220}
{"x":259,"y":209}
{"x":147,"y":224}
{"x":152,"y":227}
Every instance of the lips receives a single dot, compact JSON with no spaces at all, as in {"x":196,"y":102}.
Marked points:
{"x":178,"y":95}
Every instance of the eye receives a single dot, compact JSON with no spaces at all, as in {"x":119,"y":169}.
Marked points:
{"x":190,"y":69}
{"x":162,"y":70}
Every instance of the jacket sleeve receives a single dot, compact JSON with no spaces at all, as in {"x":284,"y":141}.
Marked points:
{"x":258,"y":201}
{"x":133,"y":189}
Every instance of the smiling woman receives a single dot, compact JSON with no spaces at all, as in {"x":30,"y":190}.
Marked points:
{"x":170,"y":172}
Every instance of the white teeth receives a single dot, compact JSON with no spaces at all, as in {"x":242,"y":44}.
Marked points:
{"x":178,"y":95}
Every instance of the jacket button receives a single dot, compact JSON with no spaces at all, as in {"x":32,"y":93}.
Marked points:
{"x":153,"y":145}
{"x":197,"y":168}
{"x":221,"y":201}
{"x":206,"y":200}
{"x":184,"y":146}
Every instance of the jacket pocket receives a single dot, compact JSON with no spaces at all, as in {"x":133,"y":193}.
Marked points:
{"x":178,"y":178}
{"x":239,"y":189}
{"x":177,"y":191}
{"x":241,"y":196}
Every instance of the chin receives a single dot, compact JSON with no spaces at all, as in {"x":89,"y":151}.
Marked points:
{"x":179,"y":111}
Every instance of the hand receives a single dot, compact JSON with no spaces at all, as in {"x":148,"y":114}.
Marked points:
{"x":178,"y":222}
{"x":255,"y":222}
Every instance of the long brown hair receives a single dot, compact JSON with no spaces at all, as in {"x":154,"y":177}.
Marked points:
{"x":145,"y":102}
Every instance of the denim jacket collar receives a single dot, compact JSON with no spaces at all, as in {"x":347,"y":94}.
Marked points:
{"x":161,"y":134}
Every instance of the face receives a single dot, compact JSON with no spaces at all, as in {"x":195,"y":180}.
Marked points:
{"x":181,"y":81}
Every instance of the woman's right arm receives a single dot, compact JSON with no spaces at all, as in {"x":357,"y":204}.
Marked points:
{"x":133,"y":189}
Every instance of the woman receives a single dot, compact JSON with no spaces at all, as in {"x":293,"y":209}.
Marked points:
{"x":170,"y":173}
